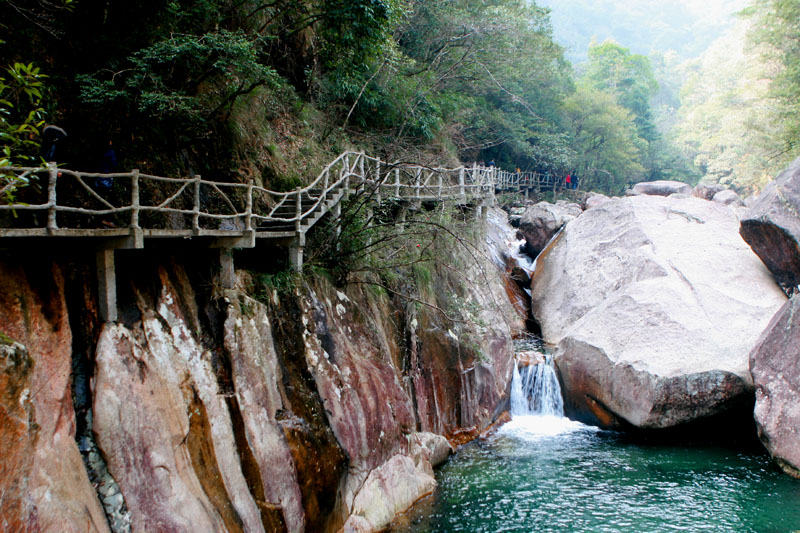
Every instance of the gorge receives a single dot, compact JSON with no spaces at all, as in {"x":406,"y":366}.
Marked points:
{"x":349,"y":266}
{"x":312,"y":406}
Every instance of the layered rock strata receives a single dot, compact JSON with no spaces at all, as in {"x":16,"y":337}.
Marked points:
{"x":313,"y":408}
{"x":44,"y":483}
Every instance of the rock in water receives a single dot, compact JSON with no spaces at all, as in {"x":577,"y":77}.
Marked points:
{"x":661,"y":188}
{"x":773,"y":227}
{"x":655,"y":304}
{"x":776,"y":374}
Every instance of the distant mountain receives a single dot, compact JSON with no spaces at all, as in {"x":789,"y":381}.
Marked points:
{"x":686,"y":26}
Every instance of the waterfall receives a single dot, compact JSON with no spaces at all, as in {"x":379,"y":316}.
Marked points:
{"x":535,"y":391}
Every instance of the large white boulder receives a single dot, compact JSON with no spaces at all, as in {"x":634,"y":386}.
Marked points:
{"x":655,"y":304}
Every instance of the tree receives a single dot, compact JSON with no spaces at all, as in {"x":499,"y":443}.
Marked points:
{"x":607,"y":149}
{"x":629,"y":77}
{"x":727,"y":124}
{"x":492,"y":69}
{"x":778,"y":27}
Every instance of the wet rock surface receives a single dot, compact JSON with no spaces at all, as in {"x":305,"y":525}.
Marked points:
{"x":631,"y":288}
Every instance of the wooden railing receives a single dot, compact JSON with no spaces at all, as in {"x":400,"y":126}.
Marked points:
{"x":136,"y":200}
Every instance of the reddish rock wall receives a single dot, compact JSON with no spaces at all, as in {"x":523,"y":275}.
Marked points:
{"x":217,"y":412}
{"x":44,"y":484}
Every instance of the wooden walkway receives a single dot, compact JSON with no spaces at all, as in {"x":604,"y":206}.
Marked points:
{"x":124,"y":210}
{"x":141,"y":206}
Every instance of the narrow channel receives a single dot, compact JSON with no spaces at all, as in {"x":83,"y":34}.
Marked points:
{"x":544,"y":472}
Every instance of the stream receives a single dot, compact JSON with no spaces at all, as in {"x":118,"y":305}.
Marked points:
{"x":544,"y":472}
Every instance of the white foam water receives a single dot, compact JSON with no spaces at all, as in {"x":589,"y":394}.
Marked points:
{"x":537,"y":408}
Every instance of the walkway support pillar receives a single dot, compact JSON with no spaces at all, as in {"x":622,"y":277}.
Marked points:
{"x":296,"y":252}
{"x":227,"y":272}
{"x":106,"y":285}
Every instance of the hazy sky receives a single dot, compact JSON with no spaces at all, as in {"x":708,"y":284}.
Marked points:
{"x":686,"y":26}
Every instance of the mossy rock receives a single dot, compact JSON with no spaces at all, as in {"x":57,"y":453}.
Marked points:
{"x":5,"y":340}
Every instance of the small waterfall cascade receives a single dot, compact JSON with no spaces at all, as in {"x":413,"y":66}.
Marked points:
{"x":535,"y":390}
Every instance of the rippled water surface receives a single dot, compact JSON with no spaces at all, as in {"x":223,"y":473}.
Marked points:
{"x":551,"y":474}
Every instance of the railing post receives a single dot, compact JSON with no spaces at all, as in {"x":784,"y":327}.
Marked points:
{"x":440,"y":184}
{"x":461,"y":190}
{"x":299,"y":241}
{"x":51,"y":197}
{"x":196,"y":210}
{"x":298,"y":211}
{"x":397,"y":182}
{"x":248,"y":210}
{"x":135,"y":198}
{"x":378,"y":181}
{"x":418,"y":181}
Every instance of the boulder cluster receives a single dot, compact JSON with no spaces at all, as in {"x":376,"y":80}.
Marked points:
{"x":674,"y":305}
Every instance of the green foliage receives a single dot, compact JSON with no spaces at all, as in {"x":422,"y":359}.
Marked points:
{"x":185,"y":79}
{"x":5,"y":340}
{"x":355,"y":32}
{"x":726,"y":123}
{"x":493,"y":71}
{"x":604,"y":137}
{"x":778,"y":28}
{"x":283,"y":282}
{"x":629,"y":77}
{"x":341,"y":245}
{"x":21,"y":117}
{"x":284,"y":183}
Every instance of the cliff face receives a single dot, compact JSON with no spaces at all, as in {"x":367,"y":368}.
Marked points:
{"x":42,"y":478}
{"x":305,"y":410}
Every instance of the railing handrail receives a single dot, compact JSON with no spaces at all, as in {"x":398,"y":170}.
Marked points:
{"x":350,"y":170}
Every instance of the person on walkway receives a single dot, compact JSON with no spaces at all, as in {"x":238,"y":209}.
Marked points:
{"x":106,"y":165}
{"x":568,"y":182}
{"x":52,"y":137}
{"x":491,"y":163}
